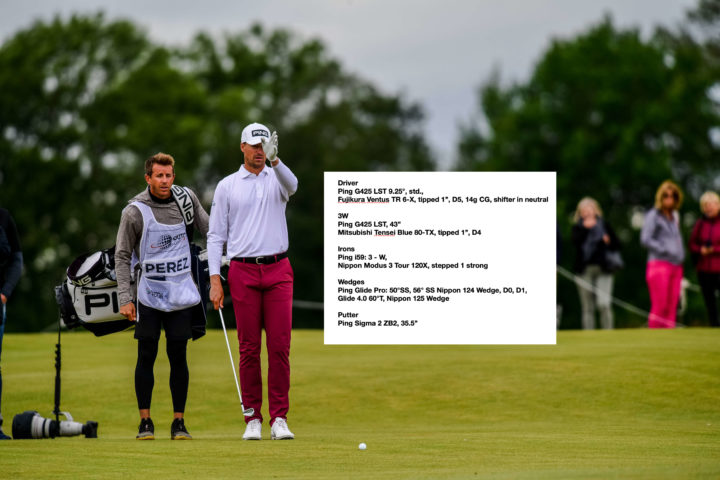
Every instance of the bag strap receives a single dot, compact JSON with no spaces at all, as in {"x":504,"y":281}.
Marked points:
{"x":184,"y":203}
{"x":187,"y":208}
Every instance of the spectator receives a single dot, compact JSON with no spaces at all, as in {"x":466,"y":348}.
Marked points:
{"x":594,"y":238}
{"x":705,"y":250}
{"x":661,"y":236}
{"x":558,"y":256}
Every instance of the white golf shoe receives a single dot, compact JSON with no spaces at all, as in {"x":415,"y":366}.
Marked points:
{"x":253,"y":430}
{"x":280,"y":430}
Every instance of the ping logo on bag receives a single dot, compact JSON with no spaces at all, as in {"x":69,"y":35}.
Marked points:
{"x":101,"y":300}
{"x":82,"y":281}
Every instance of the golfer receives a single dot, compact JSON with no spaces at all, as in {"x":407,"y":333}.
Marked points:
{"x":11,"y":265}
{"x":152,"y":227}
{"x":248,"y":214}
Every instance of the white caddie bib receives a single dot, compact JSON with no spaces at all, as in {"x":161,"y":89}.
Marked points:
{"x":166,"y":281}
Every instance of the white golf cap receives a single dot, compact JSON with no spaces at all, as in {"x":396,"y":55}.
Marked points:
{"x":254,"y":133}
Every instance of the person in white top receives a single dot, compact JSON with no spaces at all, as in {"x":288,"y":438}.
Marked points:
{"x":248,"y":216}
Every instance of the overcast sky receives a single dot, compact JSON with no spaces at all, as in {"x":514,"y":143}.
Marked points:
{"x":435,"y":52}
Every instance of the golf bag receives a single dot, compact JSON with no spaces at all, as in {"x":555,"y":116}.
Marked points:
{"x":88,"y":297}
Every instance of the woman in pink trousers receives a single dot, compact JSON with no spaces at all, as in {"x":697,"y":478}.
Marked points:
{"x":661,"y":236}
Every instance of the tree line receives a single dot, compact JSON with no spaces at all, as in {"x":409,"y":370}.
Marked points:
{"x":84,"y":100}
{"x":614,"y":114}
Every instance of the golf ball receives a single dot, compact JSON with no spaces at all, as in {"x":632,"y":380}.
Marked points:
{"x":362,"y":446}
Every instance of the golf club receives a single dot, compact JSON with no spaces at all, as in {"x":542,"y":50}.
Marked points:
{"x":248,"y":412}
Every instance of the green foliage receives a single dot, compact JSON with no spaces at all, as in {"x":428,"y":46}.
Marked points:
{"x":83,"y":102}
{"x":614,"y":115}
{"x":56,"y":178}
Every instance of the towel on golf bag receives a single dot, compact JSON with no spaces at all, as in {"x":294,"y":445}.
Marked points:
{"x":88,"y":297}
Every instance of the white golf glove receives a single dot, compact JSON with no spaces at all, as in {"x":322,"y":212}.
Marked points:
{"x":270,"y":147}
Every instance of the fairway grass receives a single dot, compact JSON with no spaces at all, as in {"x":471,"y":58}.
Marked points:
{"x":598,"y":405}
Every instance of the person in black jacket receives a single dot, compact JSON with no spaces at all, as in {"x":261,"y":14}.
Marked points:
{"x":11,"y":263}
{"x":594,"y":238}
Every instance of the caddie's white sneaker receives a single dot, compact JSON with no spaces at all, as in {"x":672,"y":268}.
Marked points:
{"x":253,"y":431}
{"x":280,"y":430}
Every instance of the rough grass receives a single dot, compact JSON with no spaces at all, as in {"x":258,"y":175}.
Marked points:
{"x":600,"y":404}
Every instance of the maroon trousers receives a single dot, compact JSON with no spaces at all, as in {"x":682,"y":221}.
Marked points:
{"x":262,"y":298}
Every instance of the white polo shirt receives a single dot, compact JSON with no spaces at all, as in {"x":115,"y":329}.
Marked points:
{"x":248,"y":213}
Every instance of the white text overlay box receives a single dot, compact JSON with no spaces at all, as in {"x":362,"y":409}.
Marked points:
{"x":440,"y":258}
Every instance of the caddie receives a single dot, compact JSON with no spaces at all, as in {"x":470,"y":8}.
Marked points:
{"x":153,"y":227}
{"x":248,"y":214}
